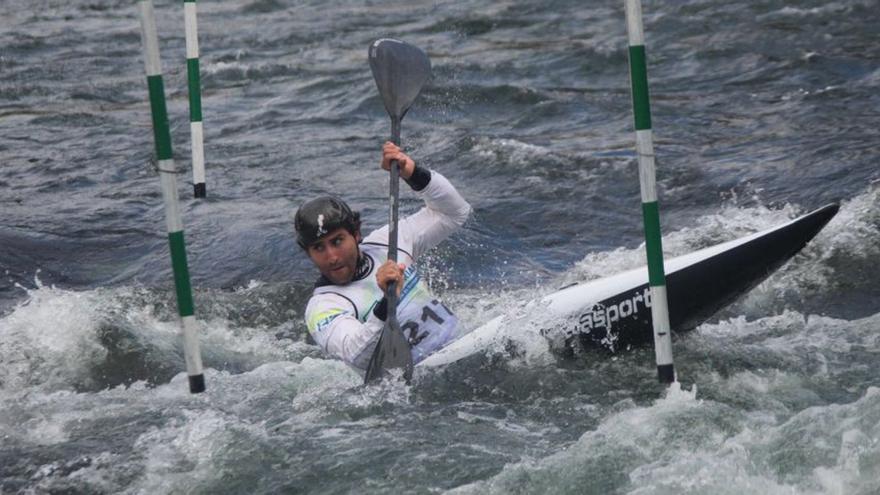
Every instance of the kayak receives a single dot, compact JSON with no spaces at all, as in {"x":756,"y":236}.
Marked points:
{"x":615,"y":312}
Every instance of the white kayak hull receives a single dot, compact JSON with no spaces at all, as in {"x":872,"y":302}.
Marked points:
{"x":614,"y":312}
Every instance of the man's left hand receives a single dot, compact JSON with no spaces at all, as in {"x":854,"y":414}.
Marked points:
{"x":390,"y":272}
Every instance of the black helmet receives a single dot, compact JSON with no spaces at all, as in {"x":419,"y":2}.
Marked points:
{"x":320,"y":216}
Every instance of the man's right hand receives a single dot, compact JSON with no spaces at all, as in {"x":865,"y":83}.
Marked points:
{"x":391,"y":151}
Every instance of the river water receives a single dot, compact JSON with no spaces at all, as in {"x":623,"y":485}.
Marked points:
{"x":762,"y":110}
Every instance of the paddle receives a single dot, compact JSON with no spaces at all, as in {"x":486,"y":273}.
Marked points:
{"x":400,"y":71}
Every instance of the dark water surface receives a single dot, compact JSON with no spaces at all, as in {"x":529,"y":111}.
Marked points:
{"x":761,"y":110}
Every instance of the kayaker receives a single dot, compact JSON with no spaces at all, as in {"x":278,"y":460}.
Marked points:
{"x":348,"y":308}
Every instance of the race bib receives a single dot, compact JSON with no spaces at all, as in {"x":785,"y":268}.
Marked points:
{"x":429,"y":328}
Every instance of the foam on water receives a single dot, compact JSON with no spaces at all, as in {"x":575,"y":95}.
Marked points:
{"x":59,"y":339}
{"x":509,"y":152}
{"x":177,"y":440}
{"x":834,"y":352}
{"x":727,"y":224}
{"x":684,"y":444}
{"x":39,"y":347}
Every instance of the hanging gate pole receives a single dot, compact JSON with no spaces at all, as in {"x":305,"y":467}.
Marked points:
{"x":648,"y":183}
{"x":195,"y":99}
{"x":168,"y":176}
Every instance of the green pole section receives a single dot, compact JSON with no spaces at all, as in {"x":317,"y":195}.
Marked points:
{"x":168,"y":176}
{"x":648,"y":182}
{"x":195,"y":99}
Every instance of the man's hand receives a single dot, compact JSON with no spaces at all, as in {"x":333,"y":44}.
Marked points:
{"x":391,"y":151}
{"x":390,"y":272}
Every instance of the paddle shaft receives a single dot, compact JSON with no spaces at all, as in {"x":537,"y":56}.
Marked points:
{"x":394,"y":199}
{"x":392,"y":347}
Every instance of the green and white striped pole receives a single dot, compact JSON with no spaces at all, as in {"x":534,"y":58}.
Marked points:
{"x":195,"y":98}
{"x":168,"y":175}
{"x":648,"y":182}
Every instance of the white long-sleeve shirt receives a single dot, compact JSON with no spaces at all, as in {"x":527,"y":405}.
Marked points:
{"x":340,"y":318}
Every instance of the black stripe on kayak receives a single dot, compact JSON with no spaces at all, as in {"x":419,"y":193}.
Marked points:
{"x":697,"y":291}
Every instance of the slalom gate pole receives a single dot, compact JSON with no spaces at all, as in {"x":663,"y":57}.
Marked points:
{"x":168,"y":176}
{"x":648,"y":183}
{"x":195,"y":99}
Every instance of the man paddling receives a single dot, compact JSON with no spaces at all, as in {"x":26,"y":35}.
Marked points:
{"x":348,"y":308}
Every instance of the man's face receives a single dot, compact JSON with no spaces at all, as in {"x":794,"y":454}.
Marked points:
{"x":336,"y":255}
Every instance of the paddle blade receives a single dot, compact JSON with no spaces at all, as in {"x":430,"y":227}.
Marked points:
{"x":392,"y":351}
{"x":400,"y":71}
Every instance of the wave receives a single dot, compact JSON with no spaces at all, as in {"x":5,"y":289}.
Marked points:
{"x":120,"y":336}
{"x":682,"y":443}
